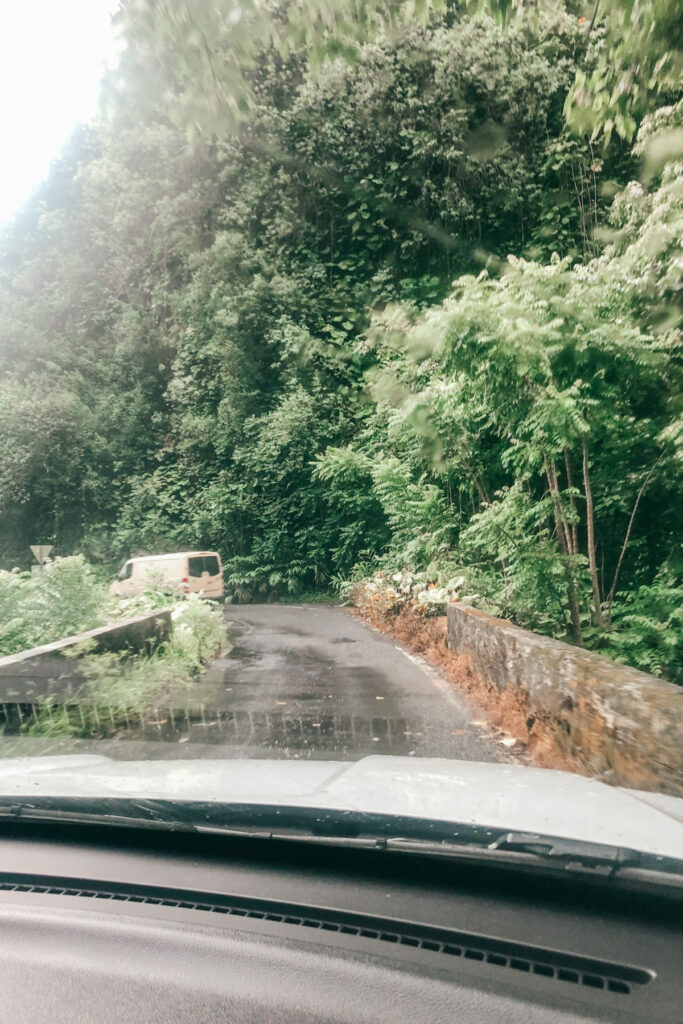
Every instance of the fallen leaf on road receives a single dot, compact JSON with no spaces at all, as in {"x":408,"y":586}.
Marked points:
{"x":508,"y":741}
{"x":379,"y":698}
{"x":282,"y":702}
{"x":183,"y":739}
{"x":458,"y":732}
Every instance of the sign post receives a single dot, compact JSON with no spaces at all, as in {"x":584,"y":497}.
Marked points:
{"x":41,"y":551}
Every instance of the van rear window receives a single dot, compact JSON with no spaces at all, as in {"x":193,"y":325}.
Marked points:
{"x":203,"y":563}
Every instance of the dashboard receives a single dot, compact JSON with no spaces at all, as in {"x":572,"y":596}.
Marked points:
{"x":101,"y":924}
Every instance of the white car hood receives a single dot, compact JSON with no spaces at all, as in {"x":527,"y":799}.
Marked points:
{"x":512,"y":797}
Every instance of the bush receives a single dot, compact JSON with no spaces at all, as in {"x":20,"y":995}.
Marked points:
{"x":61,"y":599}
{"x":648,"y":629}
{"x":198,"y":632}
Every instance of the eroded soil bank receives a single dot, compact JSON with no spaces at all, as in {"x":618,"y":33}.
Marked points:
{"x":553,"y":705}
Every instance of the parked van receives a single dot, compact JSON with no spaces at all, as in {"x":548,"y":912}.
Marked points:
{"x":189,"y":572}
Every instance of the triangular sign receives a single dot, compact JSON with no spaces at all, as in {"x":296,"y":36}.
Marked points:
{"x":41,"y":551}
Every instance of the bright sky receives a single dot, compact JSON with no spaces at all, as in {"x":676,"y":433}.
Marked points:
{"x":52,"y":57}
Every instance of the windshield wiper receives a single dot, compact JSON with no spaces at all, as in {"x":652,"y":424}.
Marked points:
{"x":398,"y":834}
{"x":574,"y":854}
{"x":567,"y":853}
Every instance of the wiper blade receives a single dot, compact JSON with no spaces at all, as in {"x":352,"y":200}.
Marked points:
{"x":283,"y":821}
{"x":231,"y":820}
{"x":460,"y":842}
{"x":76,"y":816}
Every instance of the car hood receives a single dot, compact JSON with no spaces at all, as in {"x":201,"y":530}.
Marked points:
{"x":511,"y":797}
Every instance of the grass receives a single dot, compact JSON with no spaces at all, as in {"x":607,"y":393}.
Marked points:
{"x":119,"y":689}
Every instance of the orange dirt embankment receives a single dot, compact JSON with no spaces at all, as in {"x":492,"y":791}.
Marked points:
{"x":506,"y":712}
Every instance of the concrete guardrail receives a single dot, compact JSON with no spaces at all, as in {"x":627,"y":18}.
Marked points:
{"x":53,"y":668}
{"x":619,"y":723}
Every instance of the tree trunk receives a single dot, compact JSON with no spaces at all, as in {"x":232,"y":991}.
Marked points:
{"x":572,"y":501}
{"x":590,"y":538}
{"x":551,"y":473}
{"x":613,"y":588}
{"x":484,"y":496}
{"x":572,"y":597}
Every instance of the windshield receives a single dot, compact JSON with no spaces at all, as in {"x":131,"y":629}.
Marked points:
{"x":340,"y":414}
{"x":203,"y":563}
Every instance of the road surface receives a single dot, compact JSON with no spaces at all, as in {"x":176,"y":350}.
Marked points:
{"x":299,"y":681}
{"x":313,"y":681}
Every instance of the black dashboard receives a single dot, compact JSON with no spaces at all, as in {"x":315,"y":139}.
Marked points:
{"x":98,"y":924}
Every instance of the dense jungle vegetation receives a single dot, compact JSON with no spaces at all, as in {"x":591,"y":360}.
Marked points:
{"x":340,"y":288}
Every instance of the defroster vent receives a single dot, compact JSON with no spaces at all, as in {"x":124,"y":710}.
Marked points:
{"x":547,"y":963}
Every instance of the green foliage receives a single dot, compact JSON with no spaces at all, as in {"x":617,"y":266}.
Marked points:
{"x":648,"y":627}
{"x":535,"y":427}
{"x":393,"y":322}
{"x":636,"y":63}
{"x":407,"y":588}
{"x":512,"y":537}
{"x":51,"y":464}
{"x":198,"y":632}
{"x":200,"y":57}
{"x":119,"y":689}
{"x":66,"y":597}
{"x":89,"y":273}
{"x":415,"y":512}
{"x":632,"y":59}
{"x":59,"y":600}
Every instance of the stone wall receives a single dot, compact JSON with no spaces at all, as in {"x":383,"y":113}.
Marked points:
{"x":53,"y":668}
{"x":620,"y":724}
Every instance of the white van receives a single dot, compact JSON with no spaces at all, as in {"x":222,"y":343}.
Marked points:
{"x":188,"y":572}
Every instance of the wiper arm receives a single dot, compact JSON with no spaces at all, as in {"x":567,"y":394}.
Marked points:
{"x":561,"y":853}
{"x":459,"y":842}
{"x":555,"y":855}
{"x":573,"y":854}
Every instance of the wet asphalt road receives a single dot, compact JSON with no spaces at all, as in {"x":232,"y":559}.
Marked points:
{"x":313,"y":681}
{"x":299,"y":681}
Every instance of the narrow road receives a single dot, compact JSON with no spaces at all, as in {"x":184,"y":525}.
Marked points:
{"x":313,"y":681}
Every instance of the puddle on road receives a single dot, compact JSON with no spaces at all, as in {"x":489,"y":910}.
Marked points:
{"x":239,"y":653}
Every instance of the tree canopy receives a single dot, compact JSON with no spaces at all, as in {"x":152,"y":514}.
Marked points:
{"x":339,"y":287}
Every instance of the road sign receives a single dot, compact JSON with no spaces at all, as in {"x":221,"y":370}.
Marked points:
{"x":41,"y":551}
